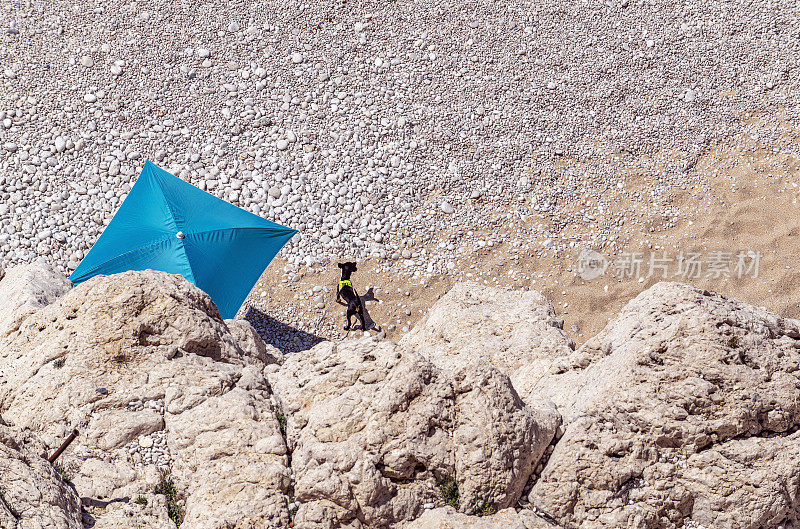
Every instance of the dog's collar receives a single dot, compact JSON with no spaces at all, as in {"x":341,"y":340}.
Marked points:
{"x":345,"y":283}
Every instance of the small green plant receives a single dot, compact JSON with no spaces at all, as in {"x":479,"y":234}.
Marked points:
{"x":166,"y":487}
{"x":65,"y":474}
{"x":3,"y":500}
{"x":141,"y":500}
{"x":59,"y":363}
{"x":481,"y":507}
{"x":449,"y":491}
{"x":292,"y":509}
{"x":282,"y":423}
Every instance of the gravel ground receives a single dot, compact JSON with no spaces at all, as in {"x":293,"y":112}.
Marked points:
{"x":395,"y":130}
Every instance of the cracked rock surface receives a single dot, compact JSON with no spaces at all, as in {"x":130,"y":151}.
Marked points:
{"x":157,"y":384}
{"x":516,"y":331}
{"x":373,"y":427}
{"x":32,"y":495}
{"x":684,"y":416}
{"x":682,"y":413}
{"x":449,"y":518}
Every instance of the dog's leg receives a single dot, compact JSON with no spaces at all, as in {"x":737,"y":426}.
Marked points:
{"x":350,"y":312}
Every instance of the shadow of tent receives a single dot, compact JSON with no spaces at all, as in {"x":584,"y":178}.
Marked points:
{"x":282,"y":336}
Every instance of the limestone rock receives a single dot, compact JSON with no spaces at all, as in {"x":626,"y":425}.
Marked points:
{"x":516,"y":331}
{"x":232,"y":458}
{"x":252,"y":344}
{"x":372,"y":427}
{"x":448,"y":518}
{"x":117,"y":427}
{"x":26,"y":288}
{"x":685,"y":415}
{"x":144,"y":367}
{"x":146,"y":511}
{"x":31,"y":492}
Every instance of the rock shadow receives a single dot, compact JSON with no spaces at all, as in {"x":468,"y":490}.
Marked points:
{"x":282,"y":336}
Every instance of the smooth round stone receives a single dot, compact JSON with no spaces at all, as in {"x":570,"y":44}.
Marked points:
{"x":297,"y":58}
{"x":447,"y":208}
{"x":87,"y":61}
{"x":282,"y":145}
{"x":146,"y":442}
{"x":90,"y":98}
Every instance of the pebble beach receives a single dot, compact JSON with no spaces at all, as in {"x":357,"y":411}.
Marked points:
{"x":435,"y":142}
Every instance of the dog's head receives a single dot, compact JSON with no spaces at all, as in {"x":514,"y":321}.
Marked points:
{"x":348,"y":268}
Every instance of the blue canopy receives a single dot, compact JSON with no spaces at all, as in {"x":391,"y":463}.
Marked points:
{"x":170,"y":225}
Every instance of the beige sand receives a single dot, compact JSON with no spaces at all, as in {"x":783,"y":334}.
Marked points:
{"x":749,"y":203}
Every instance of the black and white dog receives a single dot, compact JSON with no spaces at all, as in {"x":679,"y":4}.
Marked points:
{"x":346,"y":292}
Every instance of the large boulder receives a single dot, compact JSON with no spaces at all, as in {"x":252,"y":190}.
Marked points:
{"x":449,"y":518}
{"x":24,"y":289}
{"x":32,"y":494}
{"x":376,"y":431}
{"x":685,"y":414}
{"x":516,"y":331}
{"x":162,"y":392}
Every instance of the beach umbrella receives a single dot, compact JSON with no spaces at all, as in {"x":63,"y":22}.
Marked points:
{"x":170,"y":225}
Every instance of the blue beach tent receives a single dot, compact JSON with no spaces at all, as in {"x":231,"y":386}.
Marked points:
{"x":170,"y":225}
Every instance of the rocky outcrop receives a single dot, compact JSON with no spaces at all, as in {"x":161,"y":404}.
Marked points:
{"x":449,"y":518}
{"x":516,"y":331}
{"x":32,"y":494}
{"x":685,"y":414}
{"x":376,"y":430}
{"x":161,"y":390}
{"x":681,"y":413}
{"x":25,"y":289}
{"x":230,"y":456}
